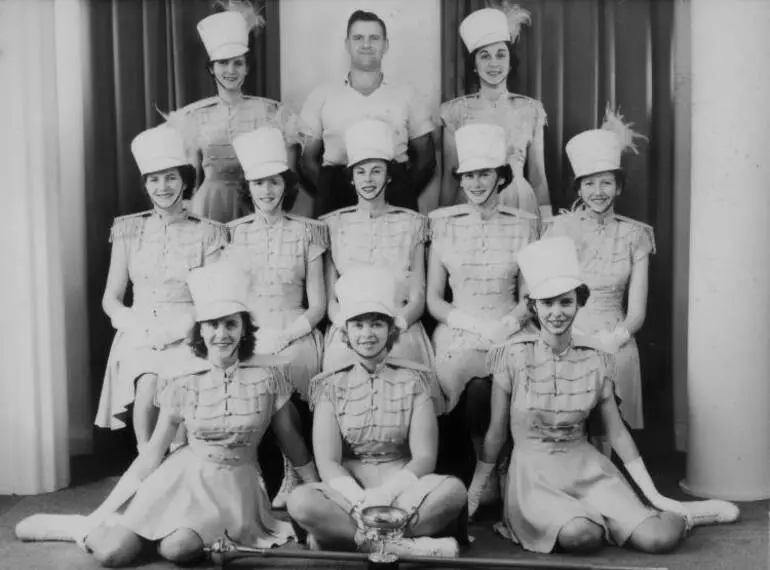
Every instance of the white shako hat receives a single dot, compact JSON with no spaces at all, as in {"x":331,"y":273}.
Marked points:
{"x":550,"y":267}
{"x":492,"y":25}
{"x":369,"y":139}
{"x":480,"y":145}
{"x":366,"y":289}
{"x":261,"y":152}
{"x":218,"y":290}
{"x":159,"y":148}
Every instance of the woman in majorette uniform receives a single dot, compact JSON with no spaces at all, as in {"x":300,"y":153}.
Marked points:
{"x":561,"y":492}
{"x":473,"y":250}
{"x":614,"y":254}
{"x":489,"y":35}
{"x":211,"y":124}
{"x":375,"y":434}
{"x":283,"y":256}
{"x":226,"y":397}
{"x":154,"y":251}
{"x":375,"y":233}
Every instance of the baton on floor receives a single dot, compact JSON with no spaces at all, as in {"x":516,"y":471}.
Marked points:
{"x":226,"y":550}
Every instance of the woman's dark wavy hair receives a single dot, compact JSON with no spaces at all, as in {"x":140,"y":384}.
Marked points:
{"x":393,"y":330}
{"x":389,"y":164}
{"x":187,"y":174}
{"x":504,"y":173}
{"x":472,"y":77}
{"x":245,"y":347}
{"x":582,"y":293}
{"x":620,"y":180}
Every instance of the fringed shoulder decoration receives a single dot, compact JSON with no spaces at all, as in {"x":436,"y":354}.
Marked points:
{"x":319,"y":388}
{"x":216,"y":235}
{"x":642,"y":238}
{"x":274,"y":373}
{"x":515,"y":14}
{"x":541,"y":117}
{"x":423,"y":230}
{"x":317,"y":233}
{"x":128,"y":227}
{"x":245,"y":8}
{"x":511,"y":211}
{"x":497,"y":359}
{"x":613,"y":122}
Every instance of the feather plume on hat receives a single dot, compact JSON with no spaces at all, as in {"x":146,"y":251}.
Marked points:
{"x":613,"y":122}
{"x":515,"y":14}
{"x":181,"y":122}
{"x":247,"y":9}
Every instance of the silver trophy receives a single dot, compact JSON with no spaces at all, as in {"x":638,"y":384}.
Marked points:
{"x":382,"y":525}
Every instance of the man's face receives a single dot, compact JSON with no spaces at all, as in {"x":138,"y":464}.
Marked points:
{"x":366,"y":45}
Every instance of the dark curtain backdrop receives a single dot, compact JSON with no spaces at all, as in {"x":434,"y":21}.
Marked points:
{"x":576,"y":56}
{"x":145,"y":53}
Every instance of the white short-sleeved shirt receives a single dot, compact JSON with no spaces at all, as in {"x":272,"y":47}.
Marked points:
{"x":330,"y":109}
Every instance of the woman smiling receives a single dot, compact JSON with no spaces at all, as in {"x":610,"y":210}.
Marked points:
{"x":283,"y":256}
{"x":211,"y":124}
{"x":154,"y":251}
{"x":489,"y":35}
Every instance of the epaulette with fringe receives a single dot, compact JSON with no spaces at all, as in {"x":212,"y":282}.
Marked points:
{"x":319,"y":381}
{"x":231,"y":225}
{"x":450,"y":211}
{"x":647,"y":228}
{"x":127,"y":226}
{"x":317,"y":232}
{"x":497,"y":355}
{"x":217,"y":232}
{"x":586,"y":341}
{"x":438,"y":220}
{"x":336,"y":213}
{"x":511,"y":211}
{"x":199,"y":104}
{"x":426,"y":379}
{"x":278,"y":372}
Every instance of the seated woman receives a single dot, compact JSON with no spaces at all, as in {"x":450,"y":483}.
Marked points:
{"x":561,"y":492}
{"x":375,"y":434}
{"x":283,"y":256}
{"x":227,"y":399}
{"x":154,"y":252}
{"x":375,"y":233}
{"x":474,"y":251}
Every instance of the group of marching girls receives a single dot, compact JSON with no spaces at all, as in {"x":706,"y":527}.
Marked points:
{"x":246,"y":317}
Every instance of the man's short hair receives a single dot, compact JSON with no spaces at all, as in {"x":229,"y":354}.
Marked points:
{"x":364,"y":16}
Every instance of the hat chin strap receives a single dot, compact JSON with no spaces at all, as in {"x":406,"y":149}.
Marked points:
{"x":376,"y":359}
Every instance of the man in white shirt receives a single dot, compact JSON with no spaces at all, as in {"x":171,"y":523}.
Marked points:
{"x":366,"y":94}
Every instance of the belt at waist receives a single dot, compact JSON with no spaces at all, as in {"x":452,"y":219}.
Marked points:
{"x":229,"y":456}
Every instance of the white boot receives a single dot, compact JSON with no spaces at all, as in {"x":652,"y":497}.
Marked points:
{"x":711,"y":511}
{"x":491,"y":492}
{"x":289,"y":483}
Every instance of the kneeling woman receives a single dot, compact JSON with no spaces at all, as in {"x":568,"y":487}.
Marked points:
{"x":227,"y":400}
{"x":560,"y":491}
{"x":375,"y":434}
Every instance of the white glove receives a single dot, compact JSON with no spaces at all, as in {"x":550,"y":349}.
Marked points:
{"x":376,"y":497}
{"x":348,"y":488}
{"x":638,"y":472}
{"x":613,"y":341}
{"x":124,"y":319}
{"x":493,"y":331}
{"x":297,"y":329}
{"x":458,"y":319}
{"x":270,"y":341}
{"x":480,"y":477}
